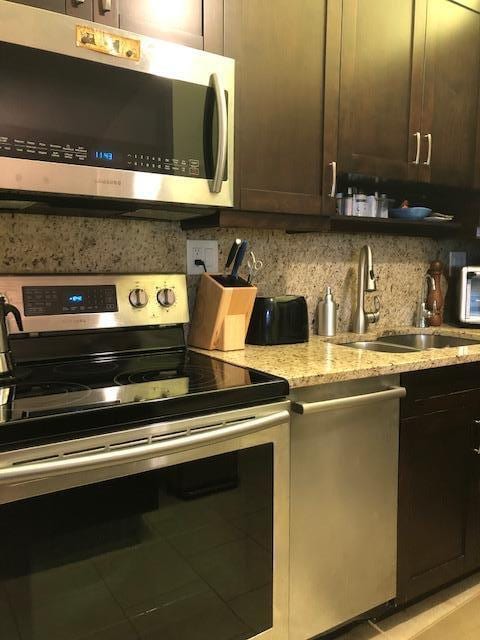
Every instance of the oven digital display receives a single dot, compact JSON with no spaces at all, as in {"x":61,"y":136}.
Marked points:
{"x":62,"y":300}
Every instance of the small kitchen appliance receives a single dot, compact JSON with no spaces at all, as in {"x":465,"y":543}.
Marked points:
{"x":94,"y":117}
{"x":468,"y":295}
{"x":278,"y":320}
{"x":132,"y":469}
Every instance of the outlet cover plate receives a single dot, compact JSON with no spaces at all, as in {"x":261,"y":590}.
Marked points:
{"x":206,"y":250}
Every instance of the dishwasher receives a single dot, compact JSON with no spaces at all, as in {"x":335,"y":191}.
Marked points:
{"x":344,"y":480}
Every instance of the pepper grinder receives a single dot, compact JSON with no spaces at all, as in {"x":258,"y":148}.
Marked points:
{"x":435,"y":296}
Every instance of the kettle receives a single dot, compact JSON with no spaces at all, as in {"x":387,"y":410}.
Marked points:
{"x":6,"y":359}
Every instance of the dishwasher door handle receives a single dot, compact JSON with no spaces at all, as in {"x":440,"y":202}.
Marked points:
{"x":350,"y":402}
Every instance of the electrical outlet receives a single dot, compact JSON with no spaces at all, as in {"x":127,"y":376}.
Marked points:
{"x":206,"y":250}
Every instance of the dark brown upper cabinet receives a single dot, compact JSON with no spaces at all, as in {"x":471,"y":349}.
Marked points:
{"x":285,"y":127}
{"x":50,"y":5}
{"x":380,"y":86}
{"x":450,"y":132}
{"x":410,"y":77}
{"x":194,"y":23}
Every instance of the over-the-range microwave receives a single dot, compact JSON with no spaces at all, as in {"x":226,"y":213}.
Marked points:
{"x":99,"y":119}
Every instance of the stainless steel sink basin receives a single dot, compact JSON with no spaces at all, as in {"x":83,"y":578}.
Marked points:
{"x":379,"y":346}
{"x":427,"y":341}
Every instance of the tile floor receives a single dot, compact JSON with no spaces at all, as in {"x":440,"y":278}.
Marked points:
{"x":430,"y":619}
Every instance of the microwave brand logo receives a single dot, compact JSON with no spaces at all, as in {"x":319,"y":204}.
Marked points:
{"x":117,"y":183}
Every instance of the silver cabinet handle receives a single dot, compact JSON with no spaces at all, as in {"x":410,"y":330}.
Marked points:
{"x":105,"y":6}
{"x":419,"y":142}
{"x":333,"y":190}
{"x":88,"y":462}
{"x":307,"y":408}
{"x":429,"y":153}
{"x":216,"y":183}
{"x":477,"y":451}
{"x":77,"y":2}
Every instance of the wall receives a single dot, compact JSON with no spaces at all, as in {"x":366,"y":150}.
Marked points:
{"x":301,"y":264}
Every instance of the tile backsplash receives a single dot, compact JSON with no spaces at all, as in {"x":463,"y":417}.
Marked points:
{"x":299,"y":264}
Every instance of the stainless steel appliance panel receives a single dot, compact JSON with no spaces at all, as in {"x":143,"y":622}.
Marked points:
{"x":344,"y":477}
{"x":136,"y":300}
{"x":69,"y":171}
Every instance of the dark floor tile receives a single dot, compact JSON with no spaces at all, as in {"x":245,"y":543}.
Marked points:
{"x":8,"y":628}
{"x":122,"y":631}
{"x":205,"y":538}
{"x":202,"y":616}
{"x":234,"y":568}
{"x":255,"y":608}
{"x":143,"y":572}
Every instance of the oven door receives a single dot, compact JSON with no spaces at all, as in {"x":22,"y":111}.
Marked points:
{"x":171,"y":531}
{"x":79,"y":120}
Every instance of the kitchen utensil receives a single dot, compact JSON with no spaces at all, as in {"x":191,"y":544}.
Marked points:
{"x":254,"y":266}
{"x":435,"y":295}
{"x":239,"y":258}
{"x":232,"y":253}
{"x":410,"y":213}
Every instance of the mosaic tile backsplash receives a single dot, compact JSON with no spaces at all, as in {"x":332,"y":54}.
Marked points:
{"x":296,"y":264}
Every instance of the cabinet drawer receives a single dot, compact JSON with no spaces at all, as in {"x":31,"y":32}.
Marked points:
{"x":441,"y":389}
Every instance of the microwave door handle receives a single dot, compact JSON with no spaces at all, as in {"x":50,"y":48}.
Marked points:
{"x":221,"y":100}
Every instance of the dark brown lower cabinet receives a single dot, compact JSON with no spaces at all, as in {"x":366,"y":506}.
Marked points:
{"x":439,"y":481}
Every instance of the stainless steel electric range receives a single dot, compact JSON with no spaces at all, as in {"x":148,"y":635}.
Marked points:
{"x":143,"y":486}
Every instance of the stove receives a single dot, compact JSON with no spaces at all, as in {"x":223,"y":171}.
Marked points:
{"x":102,"y":353}
{"x":122,"y":452}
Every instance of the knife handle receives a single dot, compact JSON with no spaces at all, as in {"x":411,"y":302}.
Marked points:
{"x":239,"y":258}
{"x":233,"y":252}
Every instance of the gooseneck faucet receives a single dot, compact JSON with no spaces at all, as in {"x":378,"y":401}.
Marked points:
{"x":423,"y":314}
{"x":366,"y":282}
{"x":6,"y":360}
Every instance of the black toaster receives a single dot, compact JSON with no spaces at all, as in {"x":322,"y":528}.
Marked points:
{"x":278,"y":320}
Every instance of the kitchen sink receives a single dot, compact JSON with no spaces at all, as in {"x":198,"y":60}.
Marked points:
{"x":407,"y":342}
{"x":427,"y":341}
{"x":379,"y":346}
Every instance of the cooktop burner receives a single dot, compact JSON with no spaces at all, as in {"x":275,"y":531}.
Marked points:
{"x":98,"y":393}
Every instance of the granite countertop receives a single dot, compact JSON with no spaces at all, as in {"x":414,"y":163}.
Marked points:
{"x":324,"y":360}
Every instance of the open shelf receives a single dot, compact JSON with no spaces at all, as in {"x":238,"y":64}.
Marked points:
{"x":394,"y":226}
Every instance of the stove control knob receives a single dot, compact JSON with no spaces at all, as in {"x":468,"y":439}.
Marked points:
{"x":166,"y":297}
{"x":138,"y":298}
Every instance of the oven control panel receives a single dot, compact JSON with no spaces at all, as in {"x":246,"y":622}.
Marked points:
{"x":77,"y":302}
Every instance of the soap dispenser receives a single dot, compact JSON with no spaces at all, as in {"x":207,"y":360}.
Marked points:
{"x":327,"y":314}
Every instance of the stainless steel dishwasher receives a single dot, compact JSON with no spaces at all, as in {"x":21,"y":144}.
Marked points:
{"x":344,"y":477}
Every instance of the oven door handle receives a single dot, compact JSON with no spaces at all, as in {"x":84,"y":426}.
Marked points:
{"x":221,"y":100}
{"x":39,"y":470}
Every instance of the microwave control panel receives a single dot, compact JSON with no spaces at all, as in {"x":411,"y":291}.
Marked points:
{"x":106,"y":156}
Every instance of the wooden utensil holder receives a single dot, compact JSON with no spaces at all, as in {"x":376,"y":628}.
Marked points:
{"x":221,"y":316}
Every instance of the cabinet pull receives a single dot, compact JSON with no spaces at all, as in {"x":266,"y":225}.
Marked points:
{"x":333,"y":190}
{"x":78,"y":2}
{"x":477,"y":451}
{"x":417,"y":136}
{"x":216,"y":183}
{"x":429,"y":153}
{"x":105,"y":6}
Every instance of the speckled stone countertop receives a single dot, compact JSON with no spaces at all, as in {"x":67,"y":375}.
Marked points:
{"x":324,"y":360}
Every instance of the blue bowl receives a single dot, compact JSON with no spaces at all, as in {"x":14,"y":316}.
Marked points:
{"x":410,"y":213}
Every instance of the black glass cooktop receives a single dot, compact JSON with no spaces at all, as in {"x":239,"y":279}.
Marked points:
{"x":51,"y":400}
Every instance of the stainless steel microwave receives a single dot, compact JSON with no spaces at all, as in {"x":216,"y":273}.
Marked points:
{"x":97,"y":112}
{"x":468,"y":291}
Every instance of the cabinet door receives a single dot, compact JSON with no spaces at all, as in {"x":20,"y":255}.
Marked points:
{"x":280,"y":58}
{"x":436,"y":528}
{"x":452,"y":75}
{"x":106,"y":12}
{"x":51,"y":5}
{"x":83,"y":10}
{"x":194,"y":23}
{"x":381,"y":87}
